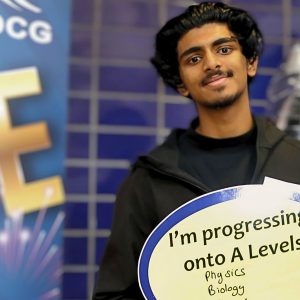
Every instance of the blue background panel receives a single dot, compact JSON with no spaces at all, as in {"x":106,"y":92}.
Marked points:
{"x":80,"y":77}
{"x":76,"y":180}
{"x":272,"y":56}
{"x":180,"y":115}
{"x":122,"y":45}
{"x":245,"y":2}
{"x":82,"y":12}
{"x":123,"y":146}
{"x":109,"y":180}
{"x":78,"y":145}
{"x":259,"y":86}
{"x":129,"y":14}
{"x":100,"y":247}
{"x":105,"y":213}
{"x":75,"y":286}
{"x":271,"y":24}
{"x":75,"y":251}
{"x":296,"y":3}
{"x":127,"y":79}
{"x":81,"y":44}
{"x":79,"y":111}
{"x":259,"y":110}
{"x":295,"y":24}
{"x":76,"y":215}
{"x":131,"y":113}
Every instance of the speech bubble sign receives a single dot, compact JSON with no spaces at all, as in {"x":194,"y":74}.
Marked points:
{"x":241,"y":243}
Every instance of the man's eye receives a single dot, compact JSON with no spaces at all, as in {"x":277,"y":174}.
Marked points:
{"x":225,"y":50}
{"x":194,"y":59}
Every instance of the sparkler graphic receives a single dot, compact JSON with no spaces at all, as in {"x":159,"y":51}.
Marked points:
{"x":30,"y":259}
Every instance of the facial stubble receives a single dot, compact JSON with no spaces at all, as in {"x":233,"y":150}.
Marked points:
{"x":224,"y":101}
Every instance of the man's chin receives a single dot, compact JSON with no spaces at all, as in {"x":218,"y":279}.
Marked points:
{"x":222,"y":103}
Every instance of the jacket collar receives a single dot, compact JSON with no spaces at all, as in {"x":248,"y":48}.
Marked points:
{"x":267,"y":134}
{"x":164,"y":158}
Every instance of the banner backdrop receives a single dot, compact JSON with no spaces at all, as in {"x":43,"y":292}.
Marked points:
{"x":34,"y":39}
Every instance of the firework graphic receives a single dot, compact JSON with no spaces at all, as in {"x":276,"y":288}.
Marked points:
{"x":30,"y":256}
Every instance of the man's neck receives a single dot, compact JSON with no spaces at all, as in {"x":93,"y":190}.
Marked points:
{"x":225,"y":122}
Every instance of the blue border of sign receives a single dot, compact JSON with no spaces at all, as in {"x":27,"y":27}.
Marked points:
{"x":175,"y":217}
{"x":178,"y":215}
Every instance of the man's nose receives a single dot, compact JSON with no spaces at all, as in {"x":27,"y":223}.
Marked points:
{"x":211,"y":61}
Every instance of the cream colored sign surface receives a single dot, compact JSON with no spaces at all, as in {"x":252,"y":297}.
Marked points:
{"x":244,"y":248}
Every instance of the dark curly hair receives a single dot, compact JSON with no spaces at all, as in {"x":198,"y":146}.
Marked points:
{"x":238,"y":21}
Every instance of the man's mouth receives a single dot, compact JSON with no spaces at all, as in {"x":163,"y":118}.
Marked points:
{"x":216,"y":78}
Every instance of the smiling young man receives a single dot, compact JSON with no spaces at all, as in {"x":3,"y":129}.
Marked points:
{"x":214,"y":73}
{"x":209,"y":54}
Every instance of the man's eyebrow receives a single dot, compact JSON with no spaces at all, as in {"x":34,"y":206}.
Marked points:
{"x":225,"y":40}
{"x":190,"y":51}
{"x":215,"y":43}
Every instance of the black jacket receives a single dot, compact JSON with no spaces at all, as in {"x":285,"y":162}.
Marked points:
{"x":156,"y":187}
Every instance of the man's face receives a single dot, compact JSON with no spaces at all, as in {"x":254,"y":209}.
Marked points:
{"x":212,"y":67}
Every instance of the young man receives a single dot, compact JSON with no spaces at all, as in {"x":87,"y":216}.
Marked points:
{"x":209,"y":54}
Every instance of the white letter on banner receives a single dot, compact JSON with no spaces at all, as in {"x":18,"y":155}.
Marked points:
{"x":40,"y":32}
{"x":1,"y":24}
{"x":11,"y":28}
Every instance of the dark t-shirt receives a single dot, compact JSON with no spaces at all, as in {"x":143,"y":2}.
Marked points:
{"x":218,"y":163}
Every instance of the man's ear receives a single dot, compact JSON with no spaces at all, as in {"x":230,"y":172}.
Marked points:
{"x":182,"y":90}
{"x":252,"y":65}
